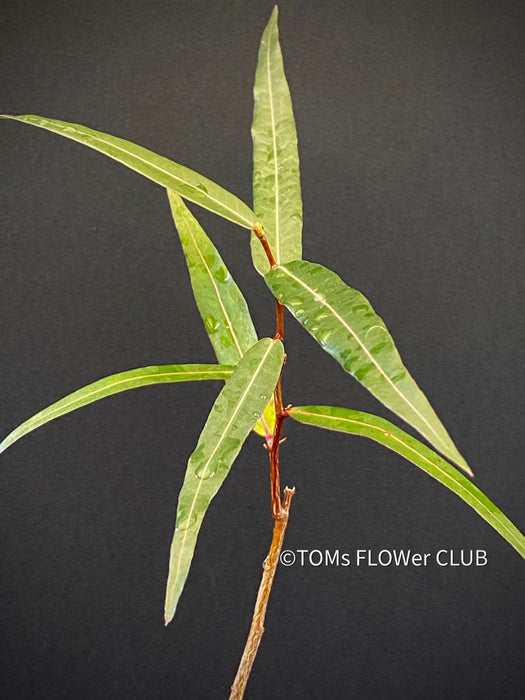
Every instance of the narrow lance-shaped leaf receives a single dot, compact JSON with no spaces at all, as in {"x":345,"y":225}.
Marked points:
{"x":165,"y":172}
{"x":358,"y":423}
{"x":114,"y":384}
{"x":342,"y":320}
{"x":229,"y":423}
{"x":219,"y":299}
{"x":276,"y":182}
{"x":221,"y":304}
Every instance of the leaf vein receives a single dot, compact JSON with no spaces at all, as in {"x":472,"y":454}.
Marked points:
{"x":217,"y":445}
{"x":322,"y":300}
{"x":229,"y":323}
{"x":445,"y":474}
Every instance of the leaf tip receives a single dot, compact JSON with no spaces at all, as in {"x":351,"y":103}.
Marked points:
{"x":6,"y":442}
{"x":462,"y":464}
{"x":272,"y":22}
{"x":169,"y":614}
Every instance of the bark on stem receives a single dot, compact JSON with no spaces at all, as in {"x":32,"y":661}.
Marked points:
{"x":259,"y":614}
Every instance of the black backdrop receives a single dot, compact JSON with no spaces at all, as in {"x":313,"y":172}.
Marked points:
{"x":410,"y":120}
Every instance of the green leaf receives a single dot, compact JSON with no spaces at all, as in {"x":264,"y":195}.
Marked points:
{"x":342,"y":320}
{"x":161,"y":170}
{"x":276,"y":183}
{"x":357,"y":423}
{"x":232,"y":417}
{"x":220,"y":301}
{"x":132,"y":379}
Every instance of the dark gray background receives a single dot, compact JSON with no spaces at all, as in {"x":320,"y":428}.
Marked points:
{"x":410,"y":120}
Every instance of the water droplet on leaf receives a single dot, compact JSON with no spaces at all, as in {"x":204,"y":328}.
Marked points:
{"x":207,"y":471}
{"x":222,"y":275}
{"x":212,"y":323}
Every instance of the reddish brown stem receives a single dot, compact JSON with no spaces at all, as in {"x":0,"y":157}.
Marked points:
{"x":280,"y":413}
{"x":275,"y":481}
{"x":280,"y":512}
{"x":279,"y":317}
{"x":258,"y":230}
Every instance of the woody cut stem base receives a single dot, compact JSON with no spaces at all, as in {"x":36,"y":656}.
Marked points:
{"x":259,"y":613}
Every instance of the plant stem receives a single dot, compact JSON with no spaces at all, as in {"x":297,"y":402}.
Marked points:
{"x":273,"y":447}
{"x":258,"y":230}
{"x":259,"y":613}
{"x":280,"y":511}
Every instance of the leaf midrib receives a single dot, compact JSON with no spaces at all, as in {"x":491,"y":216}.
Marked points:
{"x":321,"y":299}
{"x":449,"y":477}
{"x":98,"y":137}
{"x":128,"y":380}
{"x":275,"y":158}
{"x":219,"y":442}
{"x":216,"y":289}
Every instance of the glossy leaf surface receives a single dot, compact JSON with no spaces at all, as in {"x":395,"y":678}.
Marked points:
{"x":232,"y":417}
{"x":358,"y":423}
{"x":342,"y":320}
{"x":220,"y":301}
{"x":114,"y":384}
{"x":165,"y":172}
{"x":276,"y":182}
